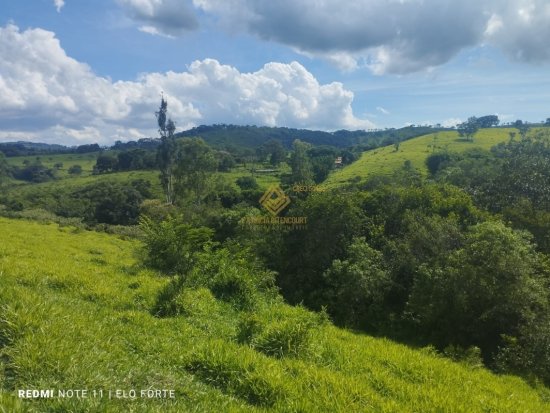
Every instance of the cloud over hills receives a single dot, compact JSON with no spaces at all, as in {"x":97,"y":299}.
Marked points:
{"x":51,"y":96}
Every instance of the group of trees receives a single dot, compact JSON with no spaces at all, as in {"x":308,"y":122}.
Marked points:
{"x":421,"y":264}
{"x":469,"y":128}
{"x":34,"y":171}
{"x":133,"y":159}
{"x":511,"y":179}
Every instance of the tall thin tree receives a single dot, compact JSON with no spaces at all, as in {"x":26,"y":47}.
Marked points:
{"x":166,"y":152}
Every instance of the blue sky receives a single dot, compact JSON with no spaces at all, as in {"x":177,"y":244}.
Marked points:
{"x":78,"y":71}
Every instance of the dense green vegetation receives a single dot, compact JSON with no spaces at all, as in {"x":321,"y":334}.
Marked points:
{"x":231,"y":136}
{"x":108,"y":323}
{"x":387,"y":159}
{"x":438,"y":242}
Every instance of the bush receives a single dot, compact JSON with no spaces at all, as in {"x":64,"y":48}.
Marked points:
{"x":470,"y":356}
{"x":115,"y":203}
{"x":436,"y":161}
{"x":528,"y":354}
{"x":176,"y":301}
{"x":171,"y":246}
{"x":234,"y":277}
{"x":75,"y":170}
{"x":279,"y":331}
{"x":247,"y":182}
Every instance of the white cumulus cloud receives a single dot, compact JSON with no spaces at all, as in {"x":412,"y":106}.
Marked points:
{"x":48,"y":95}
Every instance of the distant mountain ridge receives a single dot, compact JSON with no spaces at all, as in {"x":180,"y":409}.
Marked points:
{"x":223,"y":136}
{"x":255,"y":136}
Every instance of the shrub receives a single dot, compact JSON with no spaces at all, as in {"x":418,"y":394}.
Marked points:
{"x":279,"y":331}
{"x":176,"y":300}
{"x":235,"y":277}
{"x":436,"y":161}
{"x":75,"y":170}
{"x":470,"y":356}
{"x":529,"y":353}
{"x":247,"y":182}
{"x":170,"y":246}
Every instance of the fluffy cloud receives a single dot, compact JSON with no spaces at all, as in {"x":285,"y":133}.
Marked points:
{"x":521,"y":28}
{"x":161,"y":17}
{"x":48,"y":95}
{"x":392,"y":36}
{"x":59,"y":4}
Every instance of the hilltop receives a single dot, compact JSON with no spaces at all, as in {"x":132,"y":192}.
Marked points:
{"x":387,"y":159}
{"x":77,"y":313}
{"x":255,"y":136}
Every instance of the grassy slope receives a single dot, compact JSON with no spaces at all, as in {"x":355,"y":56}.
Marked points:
{"x":386,"y":160}
{"x":74,"y":313}
{"x":39,"y":194}
{"x":44,"y":195}
{"x":85,"y":160}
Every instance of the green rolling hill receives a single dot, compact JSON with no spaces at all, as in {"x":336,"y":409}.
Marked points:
{"x":386,"y":160}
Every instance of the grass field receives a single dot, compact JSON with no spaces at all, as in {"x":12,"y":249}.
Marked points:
{"x":85,"y":160}
{"x":46,"y":195}
{"x":75,"y":313}
{"x":386,"y":160}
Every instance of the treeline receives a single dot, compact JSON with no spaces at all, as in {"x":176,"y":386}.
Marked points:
{"x":231,"y":136}
{"x":11,"y":149}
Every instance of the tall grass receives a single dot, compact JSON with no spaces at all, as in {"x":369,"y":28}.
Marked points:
{"x":77,"y":312}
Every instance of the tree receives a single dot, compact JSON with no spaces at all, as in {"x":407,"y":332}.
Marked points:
{"x":34,"y":172}
{"x":4,"y":168}
{"x":301,"y":257}
{"x":195,"y":164}
{"x":356,"y":287}
{"x":321,"y":166}
{"x":166,"y":151}
{"x":274,"y":148}
{"x":247,"y":182}
{"x":522,"y":127}
{"x":88,"y":148}
{"x":468,"y":129}
{"x":488,"y":288}
{"x":226,"y":161}
{"x":106,"y":162}
{"x":75,"y":170}
{"x":547,"y":123}
{"x":436,"y":161}
{"x":488,"y":121}
{"x":300,"y":163}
